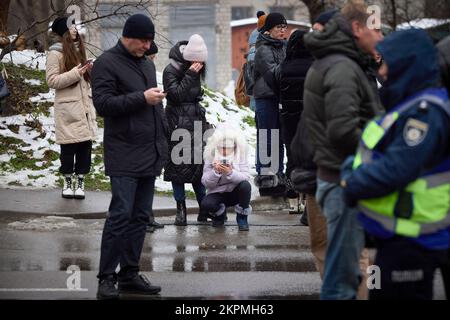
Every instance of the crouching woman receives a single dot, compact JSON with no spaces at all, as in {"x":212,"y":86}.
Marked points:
{"x":226,"y":176}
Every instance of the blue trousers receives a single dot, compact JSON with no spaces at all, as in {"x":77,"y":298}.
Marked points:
{"x":342,"y":275}
{"x":267,"y":117}
{"x":179,"y":192}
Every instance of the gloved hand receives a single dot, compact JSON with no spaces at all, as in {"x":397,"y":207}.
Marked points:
{"x":346,"y":172}
{"x":347,"y":167}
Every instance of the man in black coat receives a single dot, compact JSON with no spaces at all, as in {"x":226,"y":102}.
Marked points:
{"x":125,"y":93}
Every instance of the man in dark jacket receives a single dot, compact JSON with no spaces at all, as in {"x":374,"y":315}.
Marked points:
{"x":339,"y":100}
{"x":125,"y":93}
{"x":304,"y":175}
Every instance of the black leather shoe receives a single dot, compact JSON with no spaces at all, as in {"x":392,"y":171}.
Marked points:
{"x":156,"y":225}
{"x":150,"y":229}
{"x":107,"y":289}
{"x":138,"y":285}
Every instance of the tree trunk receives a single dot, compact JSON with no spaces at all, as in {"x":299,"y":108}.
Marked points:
{"x":4,"y":8}
{"x":315,"y":7}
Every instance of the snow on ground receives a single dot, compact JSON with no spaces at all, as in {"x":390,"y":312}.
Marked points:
{"x":219,"y":108}
{"x":229,"y":89}
{"x":28,"y":58}
{"x":423,"y":23}
{"x":44,"y":224}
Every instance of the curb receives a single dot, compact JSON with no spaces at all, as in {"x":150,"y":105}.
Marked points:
{"x":260,"y":204}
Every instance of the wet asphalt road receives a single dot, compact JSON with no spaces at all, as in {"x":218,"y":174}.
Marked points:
{"x":271,"y":261}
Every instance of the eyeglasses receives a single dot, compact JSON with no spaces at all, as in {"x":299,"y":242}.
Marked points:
{"x":281,"y":27}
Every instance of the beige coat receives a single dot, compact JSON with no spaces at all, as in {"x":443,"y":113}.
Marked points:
{"x":74,"y":111}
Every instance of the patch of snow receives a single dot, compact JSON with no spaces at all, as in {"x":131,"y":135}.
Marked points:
{"x":44,"y":97}
{"x":422,"y":23}
{"x":229,"y":89}
{"x":33,"y":82}
{"x":44,"y":224}
{"x":28,"y":58}
{"x":219,"y":108}
{"x":247,"y":21}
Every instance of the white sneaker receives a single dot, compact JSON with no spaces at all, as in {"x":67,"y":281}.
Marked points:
{"x":79,"y":189}
{"x":67,"y":190}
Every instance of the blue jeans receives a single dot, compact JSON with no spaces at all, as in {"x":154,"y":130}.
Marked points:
{"x":346,"y":241}
{"x":267,"y":117}
{"x":180,"y":195}
{"x":125,"y":226}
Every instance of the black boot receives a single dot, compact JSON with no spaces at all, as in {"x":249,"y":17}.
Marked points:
{"x":138,"y":285}
{"x":304,"y":218}
{"x":107,"y":289}
{"x":203,"y":216}
{"x":180,"y":219}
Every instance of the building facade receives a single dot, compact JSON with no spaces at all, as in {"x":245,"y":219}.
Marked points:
{"x":177,"y":20}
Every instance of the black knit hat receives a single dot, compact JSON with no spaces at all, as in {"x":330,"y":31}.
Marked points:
{"x":325,"y":16}
{"x":59,"y":26}
{"x":139,"y":26}
{"x":273,"y":19}
{"x":153,"y":49}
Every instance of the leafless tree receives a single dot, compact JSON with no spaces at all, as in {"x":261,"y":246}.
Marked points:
{"x":89,"y":9}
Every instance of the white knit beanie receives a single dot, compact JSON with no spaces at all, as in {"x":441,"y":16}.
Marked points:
{"x":196,"y":49}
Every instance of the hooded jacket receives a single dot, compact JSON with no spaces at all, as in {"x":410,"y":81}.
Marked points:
{"x":413,"y":71}
{"x":135,"y":143}
{"x":339,"y":98}
{"x":75,"y":118}
{"x":184,"y":92}
{"x":219,"y":183}
{"x":269,"y":55}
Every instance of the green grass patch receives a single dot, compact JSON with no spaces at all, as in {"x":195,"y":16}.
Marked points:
{"x":250,"y":120}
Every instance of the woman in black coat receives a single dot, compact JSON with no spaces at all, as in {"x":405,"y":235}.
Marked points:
{"x":182,"y":82}
{"x":293,"y":72}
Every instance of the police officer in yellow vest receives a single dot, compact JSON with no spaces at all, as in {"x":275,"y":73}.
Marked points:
{"x":400,"y":176}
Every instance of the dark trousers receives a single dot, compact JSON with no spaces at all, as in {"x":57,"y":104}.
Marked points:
{"x":240,"y":195}
{"x":179,"y":192}
{"x":76,"y":157}
{"x":125,"y":226}
{"x":289,"y":122}
{"x":267,"y":117}
{"x":407,"y":270}
{"x":445,"y":270}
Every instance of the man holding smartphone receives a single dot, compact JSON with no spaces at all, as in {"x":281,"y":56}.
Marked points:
{"x":125,"y":93}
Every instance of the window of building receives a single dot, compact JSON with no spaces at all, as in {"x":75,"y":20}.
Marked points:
{"x":238,"y":13}
{"x":287,"y":12}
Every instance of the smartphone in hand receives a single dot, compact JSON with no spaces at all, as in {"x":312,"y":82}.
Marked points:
{"x":86,"y":62}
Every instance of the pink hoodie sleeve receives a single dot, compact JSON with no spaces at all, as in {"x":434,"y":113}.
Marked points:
{"x":210,"y":178}
{"x":240,"y":173}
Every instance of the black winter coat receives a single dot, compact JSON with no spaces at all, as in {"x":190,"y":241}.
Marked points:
{"x":269,"y":55}
{"x":293,"y":72}
{"x":184,"y":92}
{"x":135,"y":143}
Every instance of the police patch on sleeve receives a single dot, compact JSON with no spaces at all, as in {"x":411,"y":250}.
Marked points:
{"x":414,"y":132}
